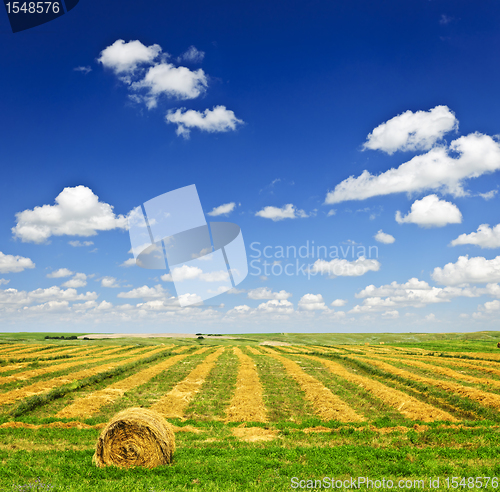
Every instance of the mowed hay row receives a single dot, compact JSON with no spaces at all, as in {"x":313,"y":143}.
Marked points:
{"x":23,"y":351}
{"x":91,"y":404}
{"x":253,"y":350}
{"x":326,"y":350}
{"x":485,"y":368}
{"x":326,"y":405}
{"x":45,"y":386}
{"x":23,"y":376}
{"x":247,"y":403}
{"x":180,"y":349}
{"x":445,"y":371}
{"x":11,"y":346}
{"x":487,"y":399}
{"x":409,"y":406}
{"x":13,"y":367}
{"x":57,"y":351}
{"x":175,"y":402}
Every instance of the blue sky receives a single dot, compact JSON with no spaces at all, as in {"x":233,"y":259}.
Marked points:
{"x":309,"y":121}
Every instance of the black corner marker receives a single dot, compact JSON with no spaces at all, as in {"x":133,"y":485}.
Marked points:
{"x":25,"y":15}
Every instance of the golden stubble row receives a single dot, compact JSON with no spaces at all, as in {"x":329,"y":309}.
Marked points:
{"x":409,"y":406}
{"x":326,"y":405}
{"x":491,"y":400}
{"x":174,"y":403}
{"x":45,"y":386}
{"x":91,"y":404}
{"x":22,"y":376}
{"x":247,"y":403}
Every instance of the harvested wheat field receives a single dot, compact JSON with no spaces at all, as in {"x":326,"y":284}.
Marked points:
{"x":127,"y":406}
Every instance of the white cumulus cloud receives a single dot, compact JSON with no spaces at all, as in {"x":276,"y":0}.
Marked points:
{"x":345,"y":268}
{"x":79,"y":280}
{"x":14,"y":264}
{"x":430,"y":211}
{"x":122,"y":57}
{"x":412,"y":131}
{"x":144,"y":292}
{"x":312,"y":302}
{"x":478,"y":154}
{"x":275,"y":306}
{"x":192,"y":55}
{"x":382,"y":237}
{"x":171,"y":81}
{"x":267,"y":293}
{"x":218,"y":119}
{"x":485,"y":237}
{"x":109,"y":282}
{"x":339,"y":302}
{"x":77,"y":212}
{"x":62,"y":272}
{"x":224,"y":209}
{"x":468,"y":270}
{"x":80,"y":244}
{"x":286,"y":212}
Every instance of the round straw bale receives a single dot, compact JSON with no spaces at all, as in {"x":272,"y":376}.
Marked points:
{"x":135,"y":437}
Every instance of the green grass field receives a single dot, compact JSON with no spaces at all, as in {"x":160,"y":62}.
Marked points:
{"x":456,"y":375}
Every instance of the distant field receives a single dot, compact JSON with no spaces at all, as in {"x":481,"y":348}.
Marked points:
{"x":249,"y":416}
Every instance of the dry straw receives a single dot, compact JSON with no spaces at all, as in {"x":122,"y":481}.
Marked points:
{"x":135,"y":437}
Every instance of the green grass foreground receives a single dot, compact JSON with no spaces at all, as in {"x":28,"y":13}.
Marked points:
{"x":229,"y":465}
{"x":210,"y":458}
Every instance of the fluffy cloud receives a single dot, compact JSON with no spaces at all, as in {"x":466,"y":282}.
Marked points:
{"x":412,"y":131}
{"x":430,"y":211}
{"x":128,"y":263}
{"x":80,"y":244}
{"x":171,"y":81}
{"x":14,"y":264}
{"x":78,"y":212}
{"x":62,"y":272}
{"x":186,"y":272}
{"x":345,"y":268}
{"x":160,"y":78}
{"x":391,"y":314}
{"x":414,"y":293}
{"x":219,"y":119}
{"x":339,"y":302}
{"x":79,"y":280}
{"x":122,"y":57}
{"x":476,"y":270}
{"x":478,"y":154}
{"x":382,"y":237}
{"x":267,"y":293}
{"x":275,"y":306}
{"x":286,"y":212}
{"x":192,"y":55}
{"x":84,"y":70}
{"x":4,"y":281}
{"x":488,"y":195}
{"x":312,"y":302}
{"x":485,"y":237}
{"x":13,"y":297}
{"x":144,"y":292}
{"x":225,"y":209}
{"x":240,"y":310}
{"x":109,"y":282}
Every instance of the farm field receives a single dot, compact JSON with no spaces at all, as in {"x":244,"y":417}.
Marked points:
{"x":251,"y":413}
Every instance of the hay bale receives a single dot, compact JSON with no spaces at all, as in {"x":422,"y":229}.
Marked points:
{"x":135,"y":437}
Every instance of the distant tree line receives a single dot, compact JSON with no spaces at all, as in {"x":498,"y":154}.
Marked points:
{"x":62,"y":337}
